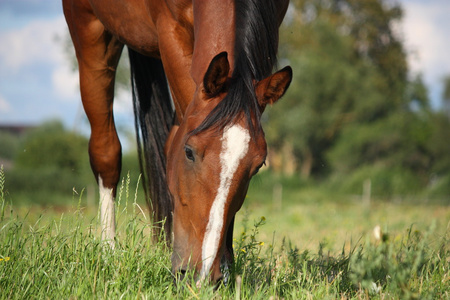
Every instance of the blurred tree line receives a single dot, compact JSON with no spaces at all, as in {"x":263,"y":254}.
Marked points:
{"x":50,"y":164}
{"x":44,"y":162}
{"x":353,"y":111}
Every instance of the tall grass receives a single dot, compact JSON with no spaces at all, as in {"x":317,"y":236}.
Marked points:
{"x":41,"y":257}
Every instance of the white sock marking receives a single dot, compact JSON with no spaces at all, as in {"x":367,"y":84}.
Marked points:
{"x":107,"y":215}
{"x":235,"y":141}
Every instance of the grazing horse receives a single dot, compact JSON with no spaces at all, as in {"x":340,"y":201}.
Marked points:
{"x":214,"y":60}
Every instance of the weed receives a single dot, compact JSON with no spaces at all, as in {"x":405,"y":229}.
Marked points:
{"x":2,"y":193}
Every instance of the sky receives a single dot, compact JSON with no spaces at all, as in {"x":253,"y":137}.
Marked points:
{"x":37,"y":82}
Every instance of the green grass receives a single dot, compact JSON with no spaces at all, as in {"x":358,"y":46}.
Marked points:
{"x":52,"y":253}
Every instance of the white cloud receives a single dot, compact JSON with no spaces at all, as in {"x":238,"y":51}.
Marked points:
{"x":426,"y":25}
{"x":426,"y":28}
{"x":5,"y":107}
{"x":123,"y":102}
{"x":36,"y":42}
{"x":65,"y":82}
{"x":40,"y":43}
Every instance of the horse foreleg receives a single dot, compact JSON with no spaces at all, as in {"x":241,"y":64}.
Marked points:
{"x":97,"y":89}
{"x":98,"y":54}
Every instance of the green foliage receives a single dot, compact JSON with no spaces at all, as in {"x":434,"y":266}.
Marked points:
{"x":45,"y":186}
{"x":399,"y":141}
{"x":2,"y":193}
{"x":52,"y":162}
{"x":438,"y":144}
{"x":10,"y":145}
{"x":446,"y":92}
{"x":50,"y":145}
{"x":386,"y":183}
{"x":439,"y":187}
{"x":350,"y":70}
{"x":322,"y":99}
{"x":248,"y":257}
{"x":394,"y":266}
{"x":352,"y":111}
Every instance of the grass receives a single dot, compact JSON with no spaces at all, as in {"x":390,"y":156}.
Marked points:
{"x":57,"y":254}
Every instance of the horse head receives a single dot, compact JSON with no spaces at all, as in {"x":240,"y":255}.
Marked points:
{"x":209,"y":170}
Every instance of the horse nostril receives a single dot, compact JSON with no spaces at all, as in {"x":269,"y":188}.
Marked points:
{"x":180,"y":275}
{"x":218,"y":282}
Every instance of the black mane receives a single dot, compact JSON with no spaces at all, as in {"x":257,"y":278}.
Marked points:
{"x":255,"y":57}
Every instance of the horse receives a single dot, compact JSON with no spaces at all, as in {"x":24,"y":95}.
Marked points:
{"x":201,"y":75}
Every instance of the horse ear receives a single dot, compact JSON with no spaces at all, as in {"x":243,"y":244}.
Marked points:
{"x":216,"y":75}
{"x":272,"y":88}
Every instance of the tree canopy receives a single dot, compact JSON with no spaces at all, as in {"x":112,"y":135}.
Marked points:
{"x":353,"y":102}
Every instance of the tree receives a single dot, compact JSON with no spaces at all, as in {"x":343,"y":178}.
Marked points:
{"x":349,"y":70}
{"x":326,"y":95}
{"x":446,"y":94}
{"x":10,"y":144}
{"x":50,"y":164}
{"x":438,"y":143}
{"x":51,"y":146}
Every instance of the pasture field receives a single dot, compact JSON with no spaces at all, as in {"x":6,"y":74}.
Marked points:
{"x":307,"y":245}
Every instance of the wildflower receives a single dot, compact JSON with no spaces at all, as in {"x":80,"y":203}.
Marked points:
{"x":377,"y":232}
{"x":263,"y":218}
{"x":4,"y":259}
{"x":379,"y":235}
{"x":261,"y":243}
{"x":375,"y":288}
{"x":243,"y":250}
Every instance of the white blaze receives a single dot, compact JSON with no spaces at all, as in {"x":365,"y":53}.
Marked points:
{"x":235,"y":141}
{"x":107,"y":215}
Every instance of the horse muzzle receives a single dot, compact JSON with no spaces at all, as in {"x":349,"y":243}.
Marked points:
{"x":219,"y":274}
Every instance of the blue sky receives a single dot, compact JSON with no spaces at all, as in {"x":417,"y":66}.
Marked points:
{"x":36,"y":79}
{"x":37,"y":83}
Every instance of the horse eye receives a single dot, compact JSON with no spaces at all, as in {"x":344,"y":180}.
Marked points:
{"x":259,"y":167}
{"x":189,"y":153}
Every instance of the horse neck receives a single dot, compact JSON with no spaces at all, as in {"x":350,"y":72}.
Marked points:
{"x":214,"y":31}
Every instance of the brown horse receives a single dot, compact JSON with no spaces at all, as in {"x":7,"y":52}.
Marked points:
{"x":214,"y":60}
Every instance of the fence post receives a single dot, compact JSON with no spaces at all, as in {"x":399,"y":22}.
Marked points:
{"x":367,"y":191}
{"x":277,"y":196}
